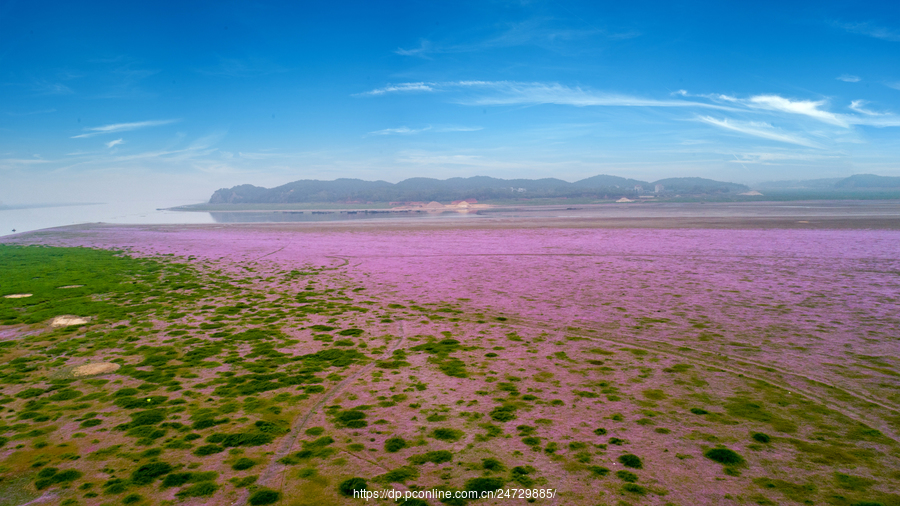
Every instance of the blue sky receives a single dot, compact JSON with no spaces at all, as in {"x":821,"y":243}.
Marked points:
{"x":100,"y":101}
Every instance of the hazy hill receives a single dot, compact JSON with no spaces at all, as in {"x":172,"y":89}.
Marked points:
{"x":824,"y":183}
{"x":607,"y":181}
{"x":458,"y":188}
{"x":695,"y":185}
{"x":868,"y":181}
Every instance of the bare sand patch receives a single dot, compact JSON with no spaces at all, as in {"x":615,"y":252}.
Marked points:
{"x":67,"y":320}
{"x":70,"y":286}
{"x":94,"y":369}
{"x":17,"y":296}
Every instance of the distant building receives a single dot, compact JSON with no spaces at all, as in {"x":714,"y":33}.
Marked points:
{"x":638,"y":188}
{"x":658,"y":188}
{"x":518,"y":190}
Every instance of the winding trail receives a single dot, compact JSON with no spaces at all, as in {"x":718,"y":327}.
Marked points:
{"x":287,"y":444}
{"x":838,"y":403}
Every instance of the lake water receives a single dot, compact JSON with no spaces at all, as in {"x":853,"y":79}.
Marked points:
{"x":24,"y":219}
{"x":146,"y":213}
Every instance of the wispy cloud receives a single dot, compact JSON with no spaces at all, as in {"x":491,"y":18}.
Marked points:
{"x":48,"y":88}
{"x":13,"y":163}
{"x":813,"y":109}
{"x":122,"y":127}
{"x":804,"y":107}
{"x":809,"y":119}
{"x":872,"y":30}
{"x":424,"y":48}
{"x":847,"y":78}
{"x":30,"y":113}
{"x":114,"y":143}
{"x":758,"y":129}
{"x":398,"y":88}
{"x":405,"y":130}
{"x":518,"y":93}
{"x":542,"y":32}
{"x":895,"y":85}
{"x":533,"y":93}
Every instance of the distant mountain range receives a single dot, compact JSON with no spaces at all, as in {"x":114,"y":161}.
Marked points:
{"x":421,"y":189}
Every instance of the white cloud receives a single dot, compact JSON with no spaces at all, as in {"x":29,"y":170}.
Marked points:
{"x":31,"y":113}
{"x":767,"y":158}
{"x":847,"y":78}
{"x":804,"y":107}
{"x":757,"y":129}
{"x":521,"y":93}
{"x":512,"y":93}
{"x":857,"y":105}
{"x":399,"y":88}
{"x":424,"y":47}
{"x":404,"y":130}
{"x":895,"y":85}
{"x":878,"y":32}
{"x":114,"y":143}
{"x":122,"y":127}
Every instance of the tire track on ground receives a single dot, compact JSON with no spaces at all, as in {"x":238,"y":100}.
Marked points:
{"x":288,"y":443}
{"x":831,"y":403}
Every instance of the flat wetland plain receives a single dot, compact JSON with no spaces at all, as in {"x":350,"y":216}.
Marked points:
{"x":683,"y":354}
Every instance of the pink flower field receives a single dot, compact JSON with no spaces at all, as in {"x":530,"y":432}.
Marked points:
{"x":631,"y":366}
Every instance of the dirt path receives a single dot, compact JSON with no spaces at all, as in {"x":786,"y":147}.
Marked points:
{"x":836,"y":401}
{"x":271,"y":472}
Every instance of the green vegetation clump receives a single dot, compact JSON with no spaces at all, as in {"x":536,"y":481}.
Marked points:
{"x":629,"y":460}
{"x":148,"y":473}
{"x":205,"y":450}
{"x":723,"y":456}
{"x":318,"y":448}
{"x":504,"y":413}
{"x":435,"y":457}
{"x":179,"y":479}
{"x":598,"y":470}
{"x":520,"y":475}
{"x":264,"y":496}
{"x":447,"y":434}
{"x":627,"y":476}
{"x":399,"y":475}
{"x":347,"y":487}
{"x":394,"y":444}
{"x":202,"y":489}
{"x":243,"y":463}
{"x":130,"y":499}
{"x":762,"y":438}
{"x":634,"y":489}
{"x":492,"y":464}
{"x":52,"y":476}
{"x":352,"y":419}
